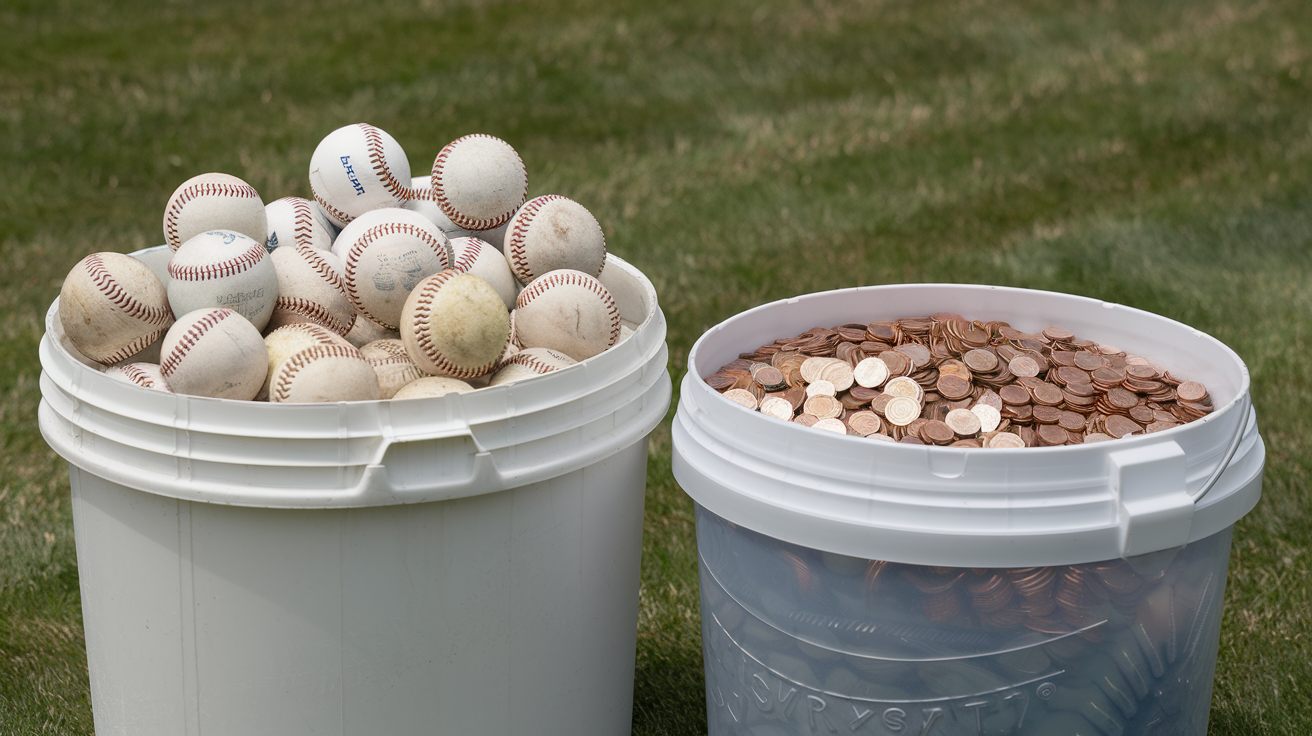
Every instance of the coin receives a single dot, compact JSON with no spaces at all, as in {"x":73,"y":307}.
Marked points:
{"x":1051,"y":435}
{"x":806,"y":419}
{"x":919,"y":354}
{"x":770,"y":378}
{"x":1191,"y":391}
{"x":1118,"y":426}
{"x":739,"y":396}
{"x":810,"y":368}
{"x":832,"y":425}
{"x":901,"y":410}
{"x":1097,"y":437}
{"x":897,"y":363}
{"x":1005,"y":440}
{"x":1047,"y":394}
{"x":865,"y":423}
{"x":952,"y":387}
{"x":1059,"y":334}
{"x":965,"y":422}
{"x":870,"y":373}
{"x":839,"y":373}
{"x":820,"y":387}
{"x":823,"y":407}
{"x":981,"y":360}
{"x":937,"y":432}
{"x":990,"y":398}
{"x":1024,"y":365}
{"x":1015,"y":395}
{"x":777,"y":407}
{"x":903,"y":386}
{"x":989,"y":417}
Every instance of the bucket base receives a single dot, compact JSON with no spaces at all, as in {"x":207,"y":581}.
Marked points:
{"x":494,"y":613}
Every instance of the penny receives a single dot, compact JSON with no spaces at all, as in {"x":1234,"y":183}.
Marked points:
{"x":989,"y":416}
{"x":1015,"y":395}
{"x":806,"y":419}
{"x":1191,"y":391}
{"x":865,"y":423}
{"x":918,"y":353}
{"x":820,"y":387}
{"x":838,"y":373}
{"x":897,"y":363}
{"x":832,"y":425}
{"x":1052,"y":435}
{"x":966,"y":422}
{"x":981,"y":360}
{"x":1087,"y":361}
{"x":811,"y":368}
{"x":862,"y":394}
{"x":1060,"y":334}
{"x":989,"y":397}
{"x":939,"y":433}
{"x":777,"y":407}
{"x":1047,"y":394}
{"x":1005,"y":440}
{"x":1024,"y":365}
{"x":721,"y":381}
{"x":881,"y":331}
{"x":739,"y":396}
{"x":796,"y":396}
{"x":1097,"y":437}
{"x":1071,"y":421}
{"x":770,"y":378}
{"x":901,"y":410}
{"x":952,"y":387}
{"x":903,"y":386}
{"x":1122,"y":399}
{"x":1044,"y":414}
{"x":879,"y":403}
{"x":824,"y":407}
{"x":870,"y":373}
{"x":1119,"y":426}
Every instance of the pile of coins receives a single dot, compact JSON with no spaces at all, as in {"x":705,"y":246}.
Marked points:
{"x":946,"y":380}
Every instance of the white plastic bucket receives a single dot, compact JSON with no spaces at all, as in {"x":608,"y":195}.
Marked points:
{"x":460,"y":565}
{"x":796,"y":527}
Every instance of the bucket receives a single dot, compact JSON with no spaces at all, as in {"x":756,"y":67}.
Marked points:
{"x":850,"y":586}
{"x":458,"y":565}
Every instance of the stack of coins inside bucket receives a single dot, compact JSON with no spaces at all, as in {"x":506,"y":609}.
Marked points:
{"x":1111,"y":648}
{"x":948,"y":380}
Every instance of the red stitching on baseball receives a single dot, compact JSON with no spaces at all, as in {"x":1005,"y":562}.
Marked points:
{"x":132,"y":348}
{"x":302,"y":221}
{"x":314,"y":258}
{"x":514,"y":245}
{"x":345,"y":218}
{"x":136,"y":375}
{"x":469,"y":255}
{"x":312,"y":311}
{"x":98,"y":270}
{"x":199,"y":189}
{"x":373,"y":140}
{"x":448,"y":209}
{"x":532,"y":362}
{"x":424,"y":336}
{"x":573,"y":278}
{"x":366,"y":238}
{"x":288,"y":369}
{"x":314,"y":330}
{"x":189,"y":339}
{"x":231,"y":267}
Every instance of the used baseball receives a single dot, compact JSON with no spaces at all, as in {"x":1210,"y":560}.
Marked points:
{"x":112,"y":307}
{"x":473,"y":256}
{"x":214,"y":202}
{"x":322,"y":373}
{"x":296,"y":221}
{"x":531,"y":362}
{"x":287,"y":339}
{"x":366,"y":331}
{"x":568,"y":311}
{"x":479,"y":181}
{"x":222,"y":268}
{"x":214,"y":352}
{"x":455,"y":325}
{"x":358,"y":168}
{"x":432,"y":386}
{"x":145,"y":375}
{"x":386,"y":253}
{"x":552,"y":232}
{"x":311,"y":288}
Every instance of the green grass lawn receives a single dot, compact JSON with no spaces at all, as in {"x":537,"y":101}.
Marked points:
{"x":1155,"y":154}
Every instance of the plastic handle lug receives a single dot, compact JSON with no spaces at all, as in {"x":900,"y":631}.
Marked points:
{"x":1156,"y":511}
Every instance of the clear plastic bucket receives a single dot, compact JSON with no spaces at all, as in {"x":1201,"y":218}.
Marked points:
{"x":456,"y":565}
{"x":858,"y":587}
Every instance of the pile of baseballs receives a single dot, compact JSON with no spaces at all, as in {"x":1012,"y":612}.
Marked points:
{"x":382,"y":286}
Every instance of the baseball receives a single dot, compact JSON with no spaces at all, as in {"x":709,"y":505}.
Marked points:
{"x":473,"y":256}
{"x":288,"y":339}
{"x":112,"y":307}
{"x":568,"y":311}
{"x":214,"y":352}
{"x":358,"y":168}
{"x":423,"y":202}
{"x":322,"y":373}
{"x":145,"y":375}
{"x":214,"y":202}
{"x":366,"y":331}
{"x":296,"y":221}
{"x":479,"y":181}
{"x":386,"y":253}
{"x":552,"y":232}
{"x":311,"y":288}
{"x":393,"y":372}
{"x":222,"y":268}
{"x":531,"y":362}
{"x":432,"y":386}
{"x":455,"y":325}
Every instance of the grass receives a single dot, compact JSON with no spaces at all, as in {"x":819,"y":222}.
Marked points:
{"x":1155,"y":154}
